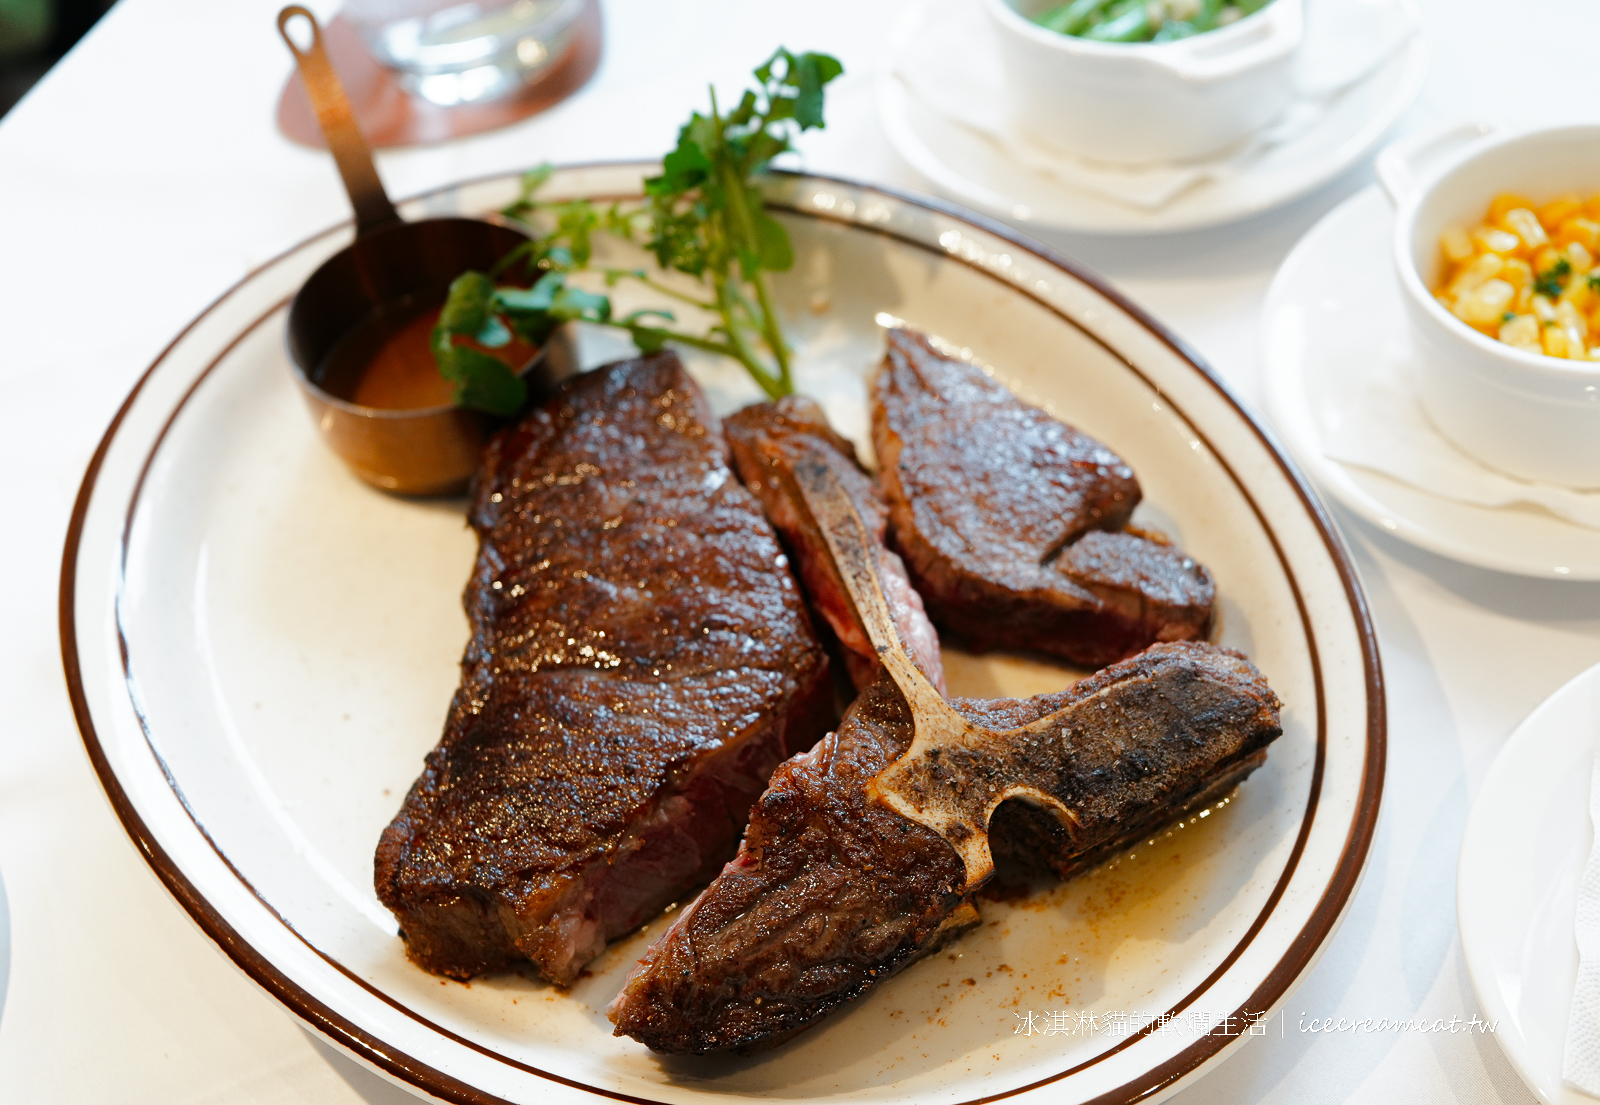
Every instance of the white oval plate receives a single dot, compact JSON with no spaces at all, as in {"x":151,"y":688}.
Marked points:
{"x":1333,"y":313}
{"x":260,"y":650}
{"x":975,"y":170}
{"x":1522,"y":856}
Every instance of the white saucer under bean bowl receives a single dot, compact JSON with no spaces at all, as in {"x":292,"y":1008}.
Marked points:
{"x":975,"y":169}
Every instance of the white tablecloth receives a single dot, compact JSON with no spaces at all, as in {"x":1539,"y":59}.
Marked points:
{"x":144,"y":175}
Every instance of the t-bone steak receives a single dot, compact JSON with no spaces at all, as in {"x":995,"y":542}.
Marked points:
{"x":833,"y":892}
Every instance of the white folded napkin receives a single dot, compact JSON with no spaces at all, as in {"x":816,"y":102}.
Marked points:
{"x":951,"y":62}
{"x":1580,"y":1065}
{"x":1385,"y":430}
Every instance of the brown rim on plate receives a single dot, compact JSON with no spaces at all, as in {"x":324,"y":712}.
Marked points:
{"x":351,"y":1038}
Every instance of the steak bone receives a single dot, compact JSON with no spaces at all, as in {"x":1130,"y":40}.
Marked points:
{"x":956,"y":773}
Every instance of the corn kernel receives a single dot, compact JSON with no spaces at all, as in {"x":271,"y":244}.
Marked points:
{"x":1486,"y":303}
{"x":1491,"y":240}
{"x":1570,"y":320}
{"x":1559,"y":210}
{"x":1521,"y":331}
{"x":1484,"y":268}
{"x":1525,"y":225}
{"x":1456,"y":245}
{"x":1528,"y":276}
{"x":1582,"y":230}
{"x":1508,"y":201}
{"x":1580,"y":292}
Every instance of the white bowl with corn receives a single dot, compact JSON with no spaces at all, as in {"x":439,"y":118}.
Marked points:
{"x":1498,"y":256}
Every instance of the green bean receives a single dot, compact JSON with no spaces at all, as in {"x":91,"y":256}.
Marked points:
{"x":1132,"y":25}
{"x":1119,"y":8}
{"x":1139,"y":21}
{"x":1071,"y":19}
{"x":1053,"y":19}
{"x":1174,"y":29}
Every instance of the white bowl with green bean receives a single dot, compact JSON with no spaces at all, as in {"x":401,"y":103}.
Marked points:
{"x":1147,"y":81}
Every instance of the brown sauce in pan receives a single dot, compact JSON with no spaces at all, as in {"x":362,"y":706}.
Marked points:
{"x":386,"y":362}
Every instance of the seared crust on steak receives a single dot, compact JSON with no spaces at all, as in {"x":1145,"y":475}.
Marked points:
{"x":1008,"y":519}
{"x":640,"y":661}
{"x":832,"y":892}
{"x":768,"y":440}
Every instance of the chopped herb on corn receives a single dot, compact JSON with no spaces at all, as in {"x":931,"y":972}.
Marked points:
{"x":1528,"y":275}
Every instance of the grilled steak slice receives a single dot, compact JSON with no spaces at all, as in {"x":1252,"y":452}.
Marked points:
{"x":767,"y":440}
{"x":640,"y":661}
{"x":990,"y":500}
{"x":831,"y":892}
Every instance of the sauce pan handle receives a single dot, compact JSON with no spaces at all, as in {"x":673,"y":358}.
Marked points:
{"x":349,"y":149}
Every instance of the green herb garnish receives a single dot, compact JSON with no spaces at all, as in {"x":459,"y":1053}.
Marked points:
{"x":1552,"y":282}
{"x":703,"y":216}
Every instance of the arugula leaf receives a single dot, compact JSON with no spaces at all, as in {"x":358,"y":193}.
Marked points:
{"x":684,"y":168}
{"x":648,"y":312}
{"x":707,"y":217}
{"x":703,"y":216}
{"x":493,"y":335}
{"x":812,"y":72}
{"x":532,"y":181}
{"x":773,"y":248}
{"x":466,"y":308}
{"x":484,"y":382}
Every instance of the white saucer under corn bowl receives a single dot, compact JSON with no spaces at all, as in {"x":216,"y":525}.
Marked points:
{"x":1332,"y":316}
{"x":969,"y":165}
{"x":1522,"y":856}
{"x":261,"y":649}
{"x":1142,"y":102}
{"x":1527,"y":414}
